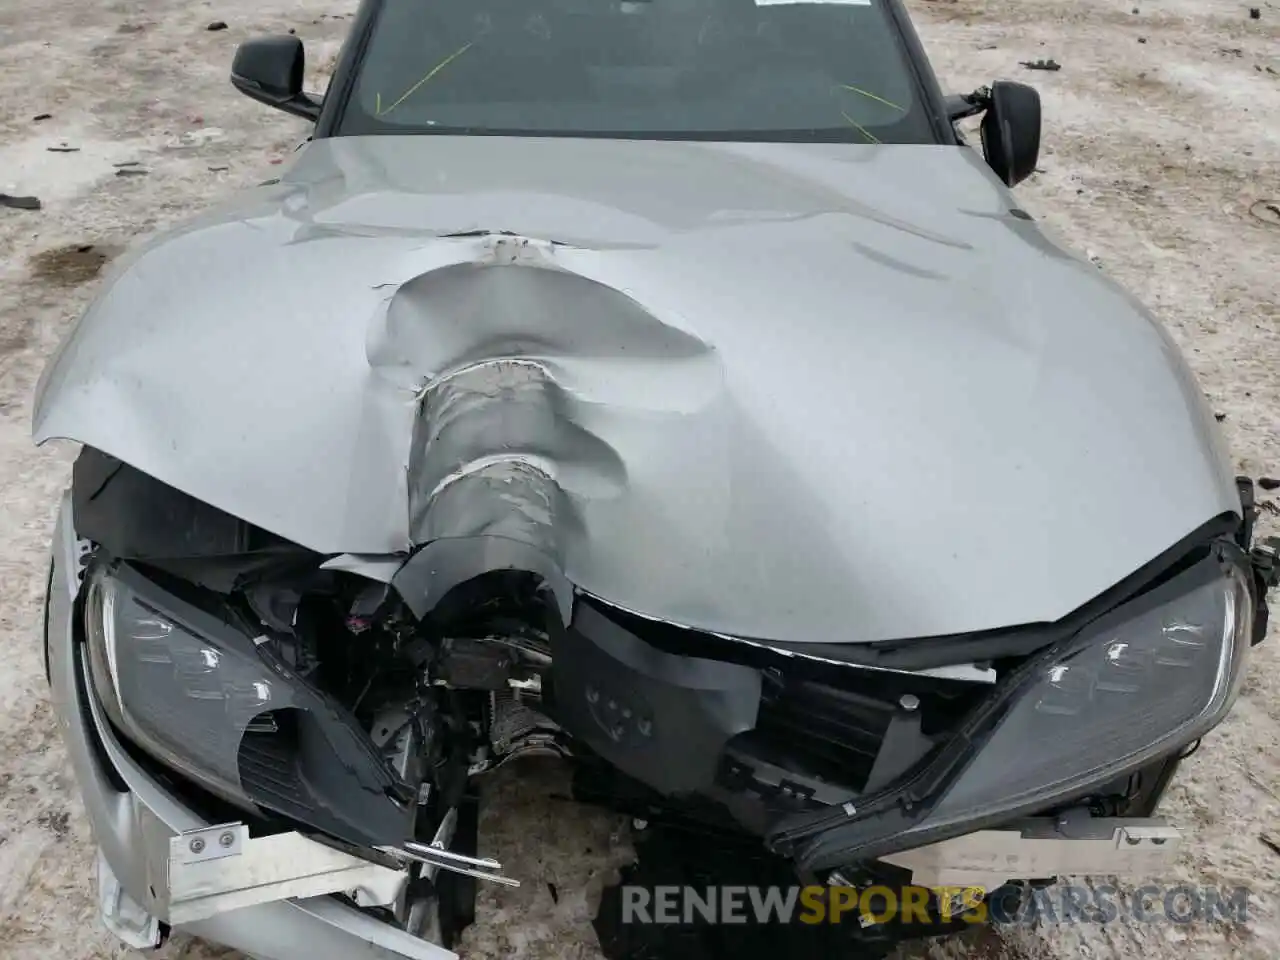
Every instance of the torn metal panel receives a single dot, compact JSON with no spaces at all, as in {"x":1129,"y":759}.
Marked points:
{"x":733,"y":383}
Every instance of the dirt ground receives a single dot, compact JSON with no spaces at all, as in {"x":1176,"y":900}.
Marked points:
{"x":1162,"y":132}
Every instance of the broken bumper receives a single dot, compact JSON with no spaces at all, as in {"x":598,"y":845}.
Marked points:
{"x":159,"y":863}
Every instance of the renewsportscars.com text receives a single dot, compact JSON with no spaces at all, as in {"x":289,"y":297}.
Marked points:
{"x":913,"y":904}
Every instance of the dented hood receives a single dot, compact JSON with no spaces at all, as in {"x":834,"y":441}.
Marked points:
{"x":797,"y":392}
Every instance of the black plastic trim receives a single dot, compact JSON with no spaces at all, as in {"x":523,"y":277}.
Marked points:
{"x":345,"y":70}
{"x":921,"y":67}
{"x":44,"y":635}
{"x":661,"y":718}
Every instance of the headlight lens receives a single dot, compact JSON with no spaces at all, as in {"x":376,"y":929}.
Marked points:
{"x":1136,"y":690}
{"x":175,"y":693}
{"x":186,"y":686}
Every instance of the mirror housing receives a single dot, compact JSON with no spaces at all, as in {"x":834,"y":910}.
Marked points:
{"x":270,"y":70}
{"x":1011,"y":131}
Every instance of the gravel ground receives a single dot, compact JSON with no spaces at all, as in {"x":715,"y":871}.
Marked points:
{"x":1162,"y":130}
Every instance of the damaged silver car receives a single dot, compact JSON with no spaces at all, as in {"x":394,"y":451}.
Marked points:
{"x":664,"y":385}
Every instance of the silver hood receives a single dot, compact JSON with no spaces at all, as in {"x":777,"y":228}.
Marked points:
{"x":795,"y":392}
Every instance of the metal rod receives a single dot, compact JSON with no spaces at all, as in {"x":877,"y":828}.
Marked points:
{"x":483,"y":869}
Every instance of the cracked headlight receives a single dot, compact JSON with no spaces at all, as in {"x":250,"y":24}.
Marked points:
{"x":172,"y":690}
{"x":1162,"y":672}
{"x":186,"y":686}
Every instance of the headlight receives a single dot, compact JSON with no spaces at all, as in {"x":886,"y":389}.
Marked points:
{"x":1134,"y":685}
{"x":186,"y":687}
{"x":1153,"y":680}
{"x":181,"y":697}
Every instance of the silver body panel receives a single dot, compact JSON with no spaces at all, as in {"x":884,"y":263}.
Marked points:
{"x":792,"y":392}
{"x":987,"y":859}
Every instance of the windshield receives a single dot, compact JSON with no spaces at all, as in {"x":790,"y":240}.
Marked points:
{"x":672,"y":69}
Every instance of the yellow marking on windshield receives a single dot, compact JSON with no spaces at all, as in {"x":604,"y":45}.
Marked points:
{"x":871,"y":96}
{"x":417,"y":86}
{"x":860,"y":128}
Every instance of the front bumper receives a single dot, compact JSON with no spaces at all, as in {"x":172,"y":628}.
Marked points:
{"x":160,"y":864}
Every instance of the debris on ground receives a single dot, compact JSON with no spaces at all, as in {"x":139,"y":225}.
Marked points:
{"x":1268,"y":211}
{"x":131,"y":171}
{"x":19,"y":203}
{"x":41,"y":116}
{"x":70,"y":265}
{"x":63,"y":148}
{"x":1041,"y":64}
{"x":1255,"y":13}
{"x":1269,"y":483}
{"x":59,"y":823}
{"x":1220,"y":417}
{"x":217,"y":25}
{"x":1271,"y":843}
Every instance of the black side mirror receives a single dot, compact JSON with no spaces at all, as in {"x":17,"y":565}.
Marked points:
{"x":1011,"y":131}
{"x":270,"y":70}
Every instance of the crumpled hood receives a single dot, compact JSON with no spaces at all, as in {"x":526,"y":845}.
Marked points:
{"x":797,"y":392}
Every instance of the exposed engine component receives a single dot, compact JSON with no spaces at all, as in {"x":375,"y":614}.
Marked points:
{"x":442,"y":699}
{"x":518,"y":728}
{"x":473,"y":664}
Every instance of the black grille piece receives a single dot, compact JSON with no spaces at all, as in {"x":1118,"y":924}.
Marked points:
{"x":821,"y":731}
{"x":269,"y":768}
{"x":832,"y":731}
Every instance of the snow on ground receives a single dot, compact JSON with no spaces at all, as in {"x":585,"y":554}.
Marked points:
{"x":1162,"y":130}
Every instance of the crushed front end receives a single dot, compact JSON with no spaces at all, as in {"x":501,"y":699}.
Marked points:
{"x":275,"y":745}
{"x":521,"y":511}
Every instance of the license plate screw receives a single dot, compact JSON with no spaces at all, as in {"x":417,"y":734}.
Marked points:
{"x":226,"y":839}
{"x":197,"y":845}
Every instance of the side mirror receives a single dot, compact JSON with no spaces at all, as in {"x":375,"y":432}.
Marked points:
{"x":1011,"y":131}
{"x":270,"y":70}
